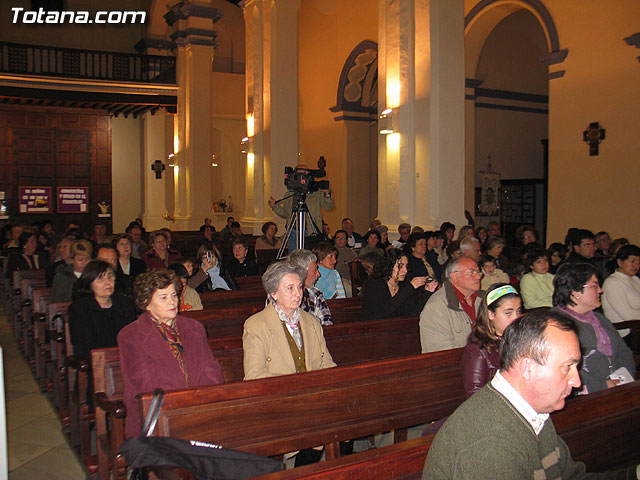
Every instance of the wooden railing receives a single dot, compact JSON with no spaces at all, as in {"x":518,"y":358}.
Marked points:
{"x":86,"y":64}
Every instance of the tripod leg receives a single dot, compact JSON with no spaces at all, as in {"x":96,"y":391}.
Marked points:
{"x":291,"y":227}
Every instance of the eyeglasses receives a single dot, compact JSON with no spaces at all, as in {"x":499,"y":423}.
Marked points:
{"x":594,"y":285}
{"x":469,"y":272}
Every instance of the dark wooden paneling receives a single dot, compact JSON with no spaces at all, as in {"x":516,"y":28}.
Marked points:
{"x":55,"y":148}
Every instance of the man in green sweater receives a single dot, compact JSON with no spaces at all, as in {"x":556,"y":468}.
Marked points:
{"x":504,"y":431}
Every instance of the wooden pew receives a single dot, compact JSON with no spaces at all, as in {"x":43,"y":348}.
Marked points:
{"x":41,"y":346}
{"x":600,"y":429}
{"x":27,"y":287}
{"x":273,"y":416}
{"x":400,"y":461}
{"x":349,"y":343}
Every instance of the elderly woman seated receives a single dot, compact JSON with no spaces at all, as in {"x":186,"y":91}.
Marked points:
{"x":162,"y":349}
{"x":605,"y":356}
{"x":284,"y":339}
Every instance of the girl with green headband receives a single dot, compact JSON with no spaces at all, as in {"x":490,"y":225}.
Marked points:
{"x":500,"y":306}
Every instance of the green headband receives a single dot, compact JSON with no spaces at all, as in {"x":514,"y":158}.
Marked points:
{"x":500,"y":292}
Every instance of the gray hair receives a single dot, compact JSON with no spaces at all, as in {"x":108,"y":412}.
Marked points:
{"x":275,"y":272}
{"x":302,"y":259}
{"x":467,"y":244}
{"x":452,"y":266}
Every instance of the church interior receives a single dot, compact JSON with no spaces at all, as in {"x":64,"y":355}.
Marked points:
{"x":515,"y":111}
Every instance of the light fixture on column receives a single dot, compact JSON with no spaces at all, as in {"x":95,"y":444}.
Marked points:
{"x":245,"y":145}
{"x":171,"y":159}
{"x":385,"y":122}
{"x":214,"y":163}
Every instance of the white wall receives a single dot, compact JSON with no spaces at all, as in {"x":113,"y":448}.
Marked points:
{"x":126,"y":167}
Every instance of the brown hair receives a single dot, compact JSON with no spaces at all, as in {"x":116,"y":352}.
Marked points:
{"x":147,"y":283}
{"x":324,"y":249}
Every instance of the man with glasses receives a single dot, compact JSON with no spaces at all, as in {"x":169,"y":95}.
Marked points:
{"x":447,"y":318}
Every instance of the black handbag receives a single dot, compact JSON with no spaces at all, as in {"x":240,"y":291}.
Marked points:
{"x":204,"y":460}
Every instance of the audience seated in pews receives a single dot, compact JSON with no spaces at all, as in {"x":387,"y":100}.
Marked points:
{"x":354,"y":239}
{"x":504,"y":431}
{"x":26,"y":257}
{"x":387,"y":294}
{"x":243,"y":263}
{"x":268,"y":240}
{"x":422,"y":263}
{"x":537,"y":285}
{"x":189,"y":298}
{"x":67,"y":274}
{"x":124,"y":283}
{"x":449,"y":315}
{"x":621,"y":290}
{"x":127,"y":264}
{"x":465,"y":231}
{"x":159,"y":256}
{"x":344,"y":258}
{"x":207,"y":236}
{"x":138,"y":245}
{"x":330,"y":282}
{"x":97,"y":313}
{"x":494,"y":247}
{"x":63,"y":257}
{"x":500,"y":306}
{"x":212,"y":274}
{"x":470,"y":248}
{"x":226,"y":231}
{"x":284,"y":339}
{"x":604,"y":353}
{"x":490,"y":272}
{"x":384,"y":244}
{"x":313,"y":301}
{"x":162,"y":349}
{"x":404,"y":230}
{"x":557,"y":254}
{"x":372,"y":240}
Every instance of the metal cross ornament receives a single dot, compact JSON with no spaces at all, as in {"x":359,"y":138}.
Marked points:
{"x":158,"y":167}
{"x":593,"y":135}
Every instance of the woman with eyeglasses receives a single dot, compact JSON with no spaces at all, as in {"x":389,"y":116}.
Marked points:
{"x":96,"y":313}
{"x":605,"y":356}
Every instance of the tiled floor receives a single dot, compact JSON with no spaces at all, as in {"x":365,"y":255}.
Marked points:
{"x":37,"y":447}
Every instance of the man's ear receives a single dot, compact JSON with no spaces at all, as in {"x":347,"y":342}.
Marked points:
{"x":526,"y":368}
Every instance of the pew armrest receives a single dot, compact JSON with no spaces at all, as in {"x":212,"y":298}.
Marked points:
{"x":77,"y":363}
{"x":113,"y":407}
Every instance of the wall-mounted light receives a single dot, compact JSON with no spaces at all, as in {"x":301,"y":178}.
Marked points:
{"x":213,"y":161}
{"x":171,"y":160}
{"x":385,"y":122}
{"x":245,"y":145}
{"x":250,"y":125}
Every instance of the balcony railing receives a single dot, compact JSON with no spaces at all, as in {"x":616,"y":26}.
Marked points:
{"x":86,"y":64}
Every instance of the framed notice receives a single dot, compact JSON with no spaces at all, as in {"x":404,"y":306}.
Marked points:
{"x":73,"y":199}
{"x":34,"y":199}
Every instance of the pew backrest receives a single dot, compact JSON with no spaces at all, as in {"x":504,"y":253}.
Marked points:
{"x":272,"y":416}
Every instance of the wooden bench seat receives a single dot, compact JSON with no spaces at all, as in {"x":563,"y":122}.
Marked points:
{"x":349,"y":343}
{"x":600,"y":429}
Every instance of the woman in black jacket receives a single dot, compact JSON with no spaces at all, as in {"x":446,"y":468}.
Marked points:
{"x":211,"y":275}
{"x":96,"y":313}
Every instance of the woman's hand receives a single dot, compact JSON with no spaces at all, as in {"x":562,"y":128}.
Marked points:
{"x":418,"y":282}
{"x":208,"y":265}
{"x":431,"y":286}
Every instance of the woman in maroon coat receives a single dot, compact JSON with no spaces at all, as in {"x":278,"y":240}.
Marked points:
{"x":500,"y":306}
{"x":162,"y":349}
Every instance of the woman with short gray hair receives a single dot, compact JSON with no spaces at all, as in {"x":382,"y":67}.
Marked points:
{"x":282,"y":338}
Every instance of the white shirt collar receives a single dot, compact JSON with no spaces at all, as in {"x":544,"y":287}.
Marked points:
{"x":535,"y":419}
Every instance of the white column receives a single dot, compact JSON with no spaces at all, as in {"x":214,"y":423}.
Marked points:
{"x":272,"y":101}
{"x":421,"y":76}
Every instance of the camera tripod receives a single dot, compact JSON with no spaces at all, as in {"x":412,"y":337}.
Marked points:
{"x":297,"y":223}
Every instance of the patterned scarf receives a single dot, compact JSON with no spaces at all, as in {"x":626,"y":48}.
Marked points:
{"x":172,"y":337}
{"x":293,"y":324}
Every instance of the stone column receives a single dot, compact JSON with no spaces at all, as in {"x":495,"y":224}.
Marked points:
{"x":156,"y":146}
{"x":194,"y":37}
{"x":272,"y":102}
{"x":421,"y":77}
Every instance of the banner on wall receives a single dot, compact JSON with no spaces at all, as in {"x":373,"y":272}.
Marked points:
{"x":34,"y":199}
{"x":73,"y":199}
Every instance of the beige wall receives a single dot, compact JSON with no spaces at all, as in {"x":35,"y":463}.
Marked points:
{"x":328,"y":31}
{"x":121,"y":37}
{"x":601,"y":84}
{"x":126,"y":167}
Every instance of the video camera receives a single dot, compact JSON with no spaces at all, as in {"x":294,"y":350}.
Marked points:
{"x":303,"y":180}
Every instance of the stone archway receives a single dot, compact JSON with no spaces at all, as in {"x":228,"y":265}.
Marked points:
{"x":357,"y":107}
{"x":491,"y":101}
